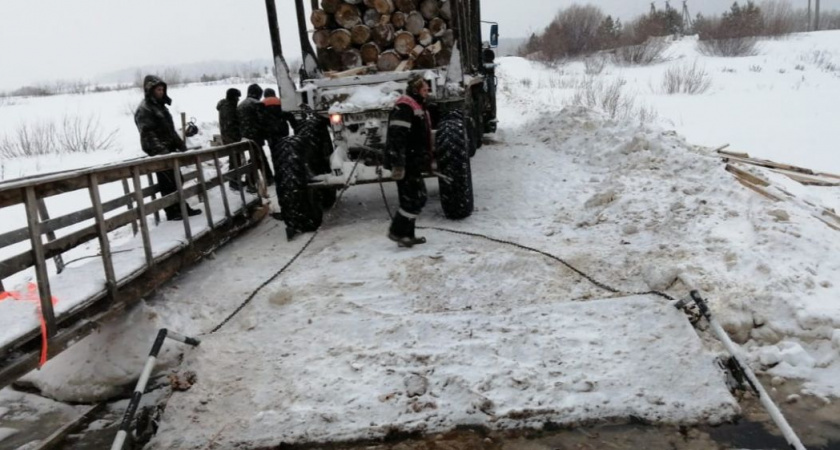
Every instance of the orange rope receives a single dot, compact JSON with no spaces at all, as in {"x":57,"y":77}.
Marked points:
{"x":32,"y":295}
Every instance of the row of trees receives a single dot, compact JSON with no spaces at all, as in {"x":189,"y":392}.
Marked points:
{"x":580,"y":30}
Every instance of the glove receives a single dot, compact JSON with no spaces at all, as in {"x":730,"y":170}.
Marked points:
{"x":398,"y":173}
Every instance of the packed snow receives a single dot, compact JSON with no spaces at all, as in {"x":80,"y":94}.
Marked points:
{"x":464,"y":331}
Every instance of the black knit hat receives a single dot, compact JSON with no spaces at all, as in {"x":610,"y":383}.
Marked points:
{"x":269,"y":93}
{"x":233,"y":94}
{"x":255,"y":91}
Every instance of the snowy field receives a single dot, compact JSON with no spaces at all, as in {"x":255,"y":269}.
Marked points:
{"x":360,"y":338}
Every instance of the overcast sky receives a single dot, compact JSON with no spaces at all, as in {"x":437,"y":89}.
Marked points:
{"x":43,"y":40}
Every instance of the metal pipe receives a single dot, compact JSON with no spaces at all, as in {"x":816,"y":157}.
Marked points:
{"x":273,"y":28}
{"x":122,"y":434}
{"x":305,"y":45}
{"x":735,"y":351}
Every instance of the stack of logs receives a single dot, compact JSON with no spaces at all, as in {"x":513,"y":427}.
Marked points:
{"x":393,"y":35}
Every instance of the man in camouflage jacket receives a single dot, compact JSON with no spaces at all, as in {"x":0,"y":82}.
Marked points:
{"x":158,"y":137}
{"x":230,"y":129}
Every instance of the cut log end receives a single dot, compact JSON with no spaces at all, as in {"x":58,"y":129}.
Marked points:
{"x":407,"y":6}
{"x":330,"y":6}
{"x":352,"y":58}
{"x":404,"y":42}
{"x":348,"y":16}
{"x":415,"y":22}
{"x":430,"y":9}
{"x":383,"y":6}
{"x":340,"y":39}
{"x":370,"y":53}
{"x":388,"y":61}
{"x":360,"y":34}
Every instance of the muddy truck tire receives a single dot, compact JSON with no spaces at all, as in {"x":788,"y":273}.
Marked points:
{"x":300,"y":205}
{"x":452,"y":145}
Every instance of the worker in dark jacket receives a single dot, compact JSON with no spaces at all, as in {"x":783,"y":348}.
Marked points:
{"x":230,"y":129}
{"x":276,"y":124}
{"x":408,"y":152}
{"x":277,"y":121}
{"x":158,"y":137}
{"x":252,"y":120}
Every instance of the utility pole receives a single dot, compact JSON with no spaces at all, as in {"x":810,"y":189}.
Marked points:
{"x":817,"y":16}
{"x":687,"y":16}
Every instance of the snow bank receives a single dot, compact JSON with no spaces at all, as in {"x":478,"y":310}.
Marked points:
{"x":768,"y":267}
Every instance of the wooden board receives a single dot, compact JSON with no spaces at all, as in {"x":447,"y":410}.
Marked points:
{"x":809,"y":180}
{"x":743,"y":174}
{"x":758,"y":189}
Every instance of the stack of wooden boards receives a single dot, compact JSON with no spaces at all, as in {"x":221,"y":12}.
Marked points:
{"x":737,"y":164}
{"x":391,"y":35}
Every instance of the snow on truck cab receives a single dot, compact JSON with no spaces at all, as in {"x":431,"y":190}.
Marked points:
{"x":355,"y":66}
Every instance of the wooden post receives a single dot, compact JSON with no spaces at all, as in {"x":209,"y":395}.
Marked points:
{"x":130,"y":204}
{"x":102,"y":229}
{"x":141,"y":213}
{"x":154,"y":196}
{"x":40,"y":264}
{"x":817,"y":15}
{"x":204,"y":195}
{"x":45,"y":216}
{"x":184,"y":127}
{"x":222,"y":184}
{"x":238,"y":156}
{"x":179,"y":185}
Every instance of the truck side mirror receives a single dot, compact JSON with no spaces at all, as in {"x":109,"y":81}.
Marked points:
{"x":494,"y":35}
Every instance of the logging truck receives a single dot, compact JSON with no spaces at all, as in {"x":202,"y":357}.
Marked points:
{"x":357,"y":56}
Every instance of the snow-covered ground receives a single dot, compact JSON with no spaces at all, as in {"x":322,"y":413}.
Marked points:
{"x":360,"y":338}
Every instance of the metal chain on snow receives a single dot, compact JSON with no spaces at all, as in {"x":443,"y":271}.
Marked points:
{"x":291,"y":261}
{"x":574,"y":269}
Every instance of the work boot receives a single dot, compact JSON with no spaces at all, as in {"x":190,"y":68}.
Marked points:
{"x":175,"y":214}
{"x":291,"y":233}
{"x":400,"y":231}
{"x":414,"y":239}
{"x":235,"y":185}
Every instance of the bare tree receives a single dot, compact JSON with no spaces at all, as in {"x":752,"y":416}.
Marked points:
{"x":780,"y":18}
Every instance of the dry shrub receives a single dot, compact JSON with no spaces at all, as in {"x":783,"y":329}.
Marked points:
{"x":730,"y":48}
{"x":648,"y":52}
{"x":75,"y":135}
{"x":610,"y":98}
{"x":30,"y":140}
{"x":688,"y":79}
{"x":84,"y":135}
{"x":595,"y":64}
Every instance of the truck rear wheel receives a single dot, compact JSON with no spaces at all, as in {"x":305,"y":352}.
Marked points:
{"x":453,"y":156}
{"x":300,"y":205}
